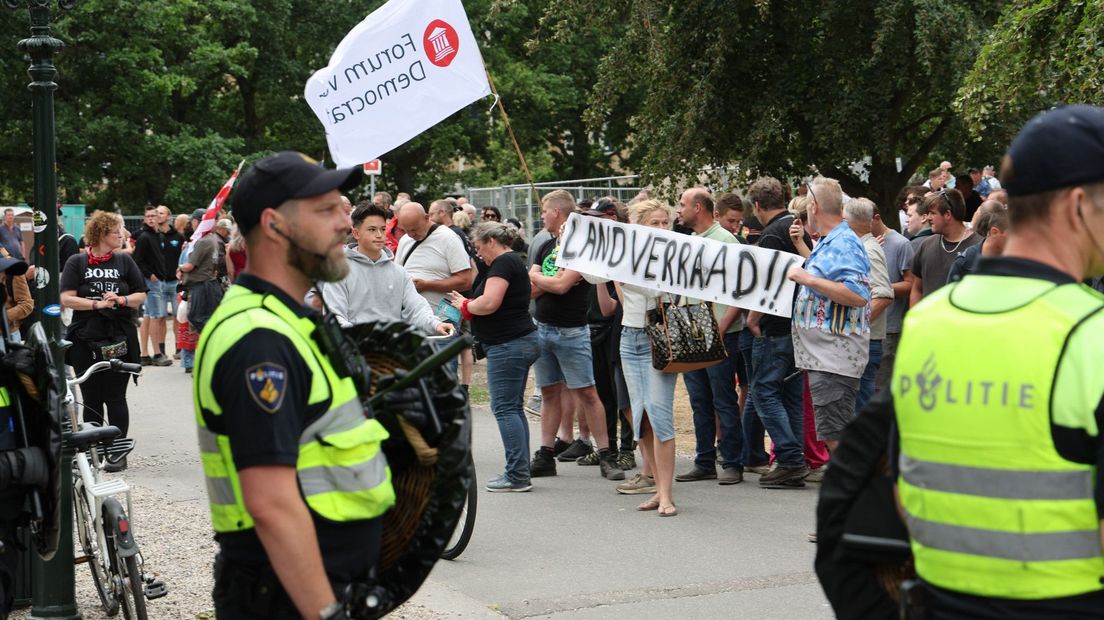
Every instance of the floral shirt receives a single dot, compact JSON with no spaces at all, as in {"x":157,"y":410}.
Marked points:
{"x":828,"y":336}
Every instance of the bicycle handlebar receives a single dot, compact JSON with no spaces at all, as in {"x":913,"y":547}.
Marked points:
{"x":113,"y":365}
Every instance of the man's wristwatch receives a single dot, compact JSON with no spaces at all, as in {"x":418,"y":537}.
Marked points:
{"x":333,"y":611}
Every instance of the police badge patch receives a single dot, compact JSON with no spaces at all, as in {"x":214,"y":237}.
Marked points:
{"x":267,"y":385}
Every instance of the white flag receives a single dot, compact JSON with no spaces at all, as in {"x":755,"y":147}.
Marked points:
{"x":405,"y":68}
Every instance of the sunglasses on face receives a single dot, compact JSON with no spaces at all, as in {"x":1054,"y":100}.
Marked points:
{"x":490,"y":216}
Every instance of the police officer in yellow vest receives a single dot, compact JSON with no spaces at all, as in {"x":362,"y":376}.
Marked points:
{"x":999,"y":397}
{"x":296,"y":478}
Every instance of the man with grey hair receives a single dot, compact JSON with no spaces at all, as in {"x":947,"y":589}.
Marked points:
{"x":859,"y":213}
{"x":831,"y":317}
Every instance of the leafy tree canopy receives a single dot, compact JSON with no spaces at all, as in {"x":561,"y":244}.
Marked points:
{"x":778,"y":86}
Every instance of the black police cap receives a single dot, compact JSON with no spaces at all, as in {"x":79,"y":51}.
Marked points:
{"x":281,"y":177}
{"x":1059,"y":148}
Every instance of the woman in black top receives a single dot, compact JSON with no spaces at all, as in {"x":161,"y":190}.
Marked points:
{"x":103,"y":287}
{"x":499,"y":313}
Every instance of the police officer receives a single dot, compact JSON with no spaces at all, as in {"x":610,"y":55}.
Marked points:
{"x":998,"y":390}
{"x":296,"y":478}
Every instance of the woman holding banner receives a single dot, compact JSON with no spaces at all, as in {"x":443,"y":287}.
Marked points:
{"x":651,"y":392}
{"x":501,"y":324}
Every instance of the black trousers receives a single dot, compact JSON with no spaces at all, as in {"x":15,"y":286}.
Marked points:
{"x":104,"y":392}
{"x":605,"y":382}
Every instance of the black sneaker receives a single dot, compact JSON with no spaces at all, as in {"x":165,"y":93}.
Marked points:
{"x":578,"y":449}
{"x":698,"y":473}
{"x":117,"y":467}
{"x":590,"y":459}
{"x":626,"y":460}
{"x":560,"y":446}
{"x":146,"y":360}
{"x":543,"y":464}
{"x":609,"y":467}
{"x":784,"y":478}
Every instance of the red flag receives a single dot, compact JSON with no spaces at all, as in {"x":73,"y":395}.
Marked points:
{"x":208,"y":221}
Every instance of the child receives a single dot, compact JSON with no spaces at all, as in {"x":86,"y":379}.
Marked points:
{"x":186,"y":339}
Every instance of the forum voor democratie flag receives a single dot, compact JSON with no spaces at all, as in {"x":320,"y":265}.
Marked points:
{"x":208,"y":221}
{"x":405,"y":68}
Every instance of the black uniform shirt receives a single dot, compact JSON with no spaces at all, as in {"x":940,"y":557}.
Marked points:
{"x":263,"y":384}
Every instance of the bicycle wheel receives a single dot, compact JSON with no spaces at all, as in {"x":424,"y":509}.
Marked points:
{"x":461,"y":536}
{"x":126,"y":581}
{"x":95,"y":557}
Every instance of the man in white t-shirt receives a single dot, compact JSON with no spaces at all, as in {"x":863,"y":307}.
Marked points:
{"x":433,"y":255}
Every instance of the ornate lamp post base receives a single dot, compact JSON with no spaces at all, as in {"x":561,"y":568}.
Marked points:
{"x":53,"y":581}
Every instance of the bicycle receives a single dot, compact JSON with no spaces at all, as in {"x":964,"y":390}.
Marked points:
{"x":104,"y":529}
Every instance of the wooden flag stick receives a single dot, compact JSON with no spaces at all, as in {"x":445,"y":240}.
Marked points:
{"x":513,"y":138}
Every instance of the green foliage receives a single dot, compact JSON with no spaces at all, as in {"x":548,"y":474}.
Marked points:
{"x":158,"y":100}
{"x":779,"y":86}
{"x":1040,"y":53}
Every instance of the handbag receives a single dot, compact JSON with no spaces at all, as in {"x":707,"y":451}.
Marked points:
{"x":684,"y":338}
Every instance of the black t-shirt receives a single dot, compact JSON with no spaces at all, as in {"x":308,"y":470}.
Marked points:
{"x":776,"y":236}
{"x":605,"y":330}
{"x":174,"y":243}
{"x":511,"y":320}
{"x":119,"y":275}
{"x":265,"y":435}
{"x":569,"y":309}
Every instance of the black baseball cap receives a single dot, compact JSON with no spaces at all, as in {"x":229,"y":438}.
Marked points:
{"x":602,"y":208}
{"x":1059,"y":148}
{"x":13,"y":266}
{"x":271,"y":181}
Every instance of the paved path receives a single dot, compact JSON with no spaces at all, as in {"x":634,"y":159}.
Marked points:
{"x":572,"y":548}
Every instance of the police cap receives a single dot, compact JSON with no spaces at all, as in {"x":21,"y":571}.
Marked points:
{"x":1059,"y":148}
{"x":281,"y":177}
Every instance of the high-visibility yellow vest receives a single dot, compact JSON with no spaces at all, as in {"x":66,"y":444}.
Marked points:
{"x":343,"y":475}
{"x":982,"y":368}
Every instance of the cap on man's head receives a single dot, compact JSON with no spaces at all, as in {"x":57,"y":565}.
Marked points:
{"x":1058,"y":148}
{"x":198,"y":214}
{"x":602,"y":208}
{"x":225,"y":223}
{"x":274,"y":180}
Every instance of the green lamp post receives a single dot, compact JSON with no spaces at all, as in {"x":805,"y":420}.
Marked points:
{"x":52,"y":582}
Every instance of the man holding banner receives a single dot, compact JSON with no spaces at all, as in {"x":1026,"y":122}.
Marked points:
{"x":713,"y":390}
{"x":562,"y":301}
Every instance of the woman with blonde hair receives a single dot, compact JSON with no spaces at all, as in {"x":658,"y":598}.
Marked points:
{"x":651,"y":392}
{"x":104,"y":287}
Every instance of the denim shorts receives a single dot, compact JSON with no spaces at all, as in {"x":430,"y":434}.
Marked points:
{"x":565,"y":357}
{"x":156,"y":303}
{"x":168,"y":289}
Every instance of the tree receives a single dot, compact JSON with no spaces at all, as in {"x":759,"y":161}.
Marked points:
{"x":1039,"y":54}
{"x":777,"y":87}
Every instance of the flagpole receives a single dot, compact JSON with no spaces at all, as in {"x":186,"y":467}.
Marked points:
{"x":510,"y":130}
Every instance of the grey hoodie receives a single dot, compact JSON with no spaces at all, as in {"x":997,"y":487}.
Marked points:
{"x":378,"y":291}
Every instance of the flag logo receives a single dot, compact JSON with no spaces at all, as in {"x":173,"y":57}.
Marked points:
{"x":440,"y":42}
{"x":267,"y":383}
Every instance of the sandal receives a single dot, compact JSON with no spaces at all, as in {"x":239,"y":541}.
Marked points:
{"x":668,"y":510}
{"x":652,"y":504}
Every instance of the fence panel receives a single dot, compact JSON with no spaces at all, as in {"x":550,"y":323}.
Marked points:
{"x":519,"y":201}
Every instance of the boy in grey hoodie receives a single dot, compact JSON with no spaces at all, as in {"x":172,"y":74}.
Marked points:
{"x":378,"y":289}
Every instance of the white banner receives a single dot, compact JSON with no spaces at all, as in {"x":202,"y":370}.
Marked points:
{"x":405,"y":68}
{"x":727,"y":273}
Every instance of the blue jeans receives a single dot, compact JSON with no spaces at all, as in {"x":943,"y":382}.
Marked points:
{"x":187,"y":358}
{"x":441,"y":343}
{"x":778,"y":401}
{"x":867,"y":383}
{"x":507,"y":371}
{"x":713,"y":396}
{"x":755,"y":452}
